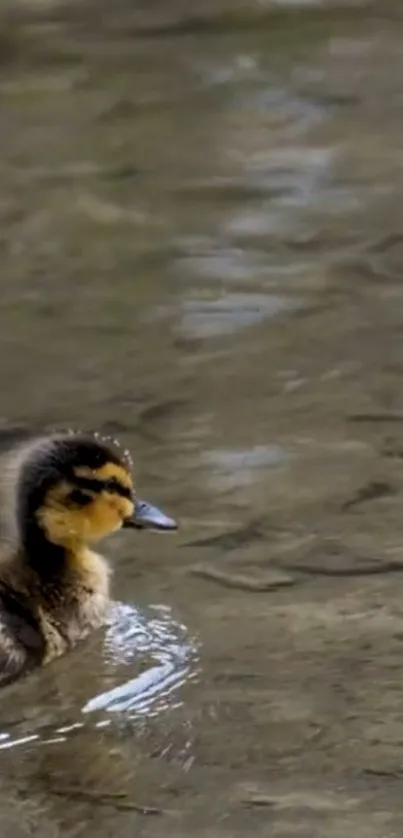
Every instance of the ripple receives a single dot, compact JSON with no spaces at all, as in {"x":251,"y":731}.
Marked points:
{"x":217,"y":261}
{"x":211,"y":318}
{"x":231,"y":469}
{"x":236,"y":69}
{"x":131,"y":635}
{"x":152,"y":640}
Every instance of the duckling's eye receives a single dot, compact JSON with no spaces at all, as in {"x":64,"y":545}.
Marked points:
{"x":80,"y":498}
{"x":112,"y":485}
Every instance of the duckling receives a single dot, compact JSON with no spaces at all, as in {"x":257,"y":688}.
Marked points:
{"x":65,"y":492}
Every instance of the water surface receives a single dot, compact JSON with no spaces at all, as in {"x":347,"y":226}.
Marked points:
{"x":202,"y":254}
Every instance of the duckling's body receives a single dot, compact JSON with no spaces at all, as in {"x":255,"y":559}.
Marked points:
{"x":42,"y":616}
{"x":63,"y":493}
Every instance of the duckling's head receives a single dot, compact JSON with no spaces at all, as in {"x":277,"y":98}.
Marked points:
{"x":75,"y":489}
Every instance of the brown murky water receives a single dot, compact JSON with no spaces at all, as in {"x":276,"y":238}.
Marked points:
{"x":202,"y":250}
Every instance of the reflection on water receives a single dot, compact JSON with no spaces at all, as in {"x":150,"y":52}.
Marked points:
{"x":151,"y":641}
{"x":208,"y":318}
{"x":230,"y":469}
{"x":132,"y":637}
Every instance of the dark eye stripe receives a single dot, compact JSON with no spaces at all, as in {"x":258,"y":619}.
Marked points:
{"x":110,"y":485}
{"x":80,"y":498}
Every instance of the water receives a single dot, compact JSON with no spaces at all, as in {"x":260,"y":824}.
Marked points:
{"x":201,"y":254}
{"x":174,"y":661}
{"x":151,"y":641}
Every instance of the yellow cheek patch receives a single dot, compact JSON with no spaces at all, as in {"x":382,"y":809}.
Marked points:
{"x":102,"y":517}
{"x":55,"y":519}
{"x":73,"y":527}
{"x":61,"y":526}
{"x":105,"y":515}
{"x":107,"y":472}
{"x":123,"y":506}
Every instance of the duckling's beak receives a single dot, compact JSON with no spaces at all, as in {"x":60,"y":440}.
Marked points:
{"x":149,"y":517}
